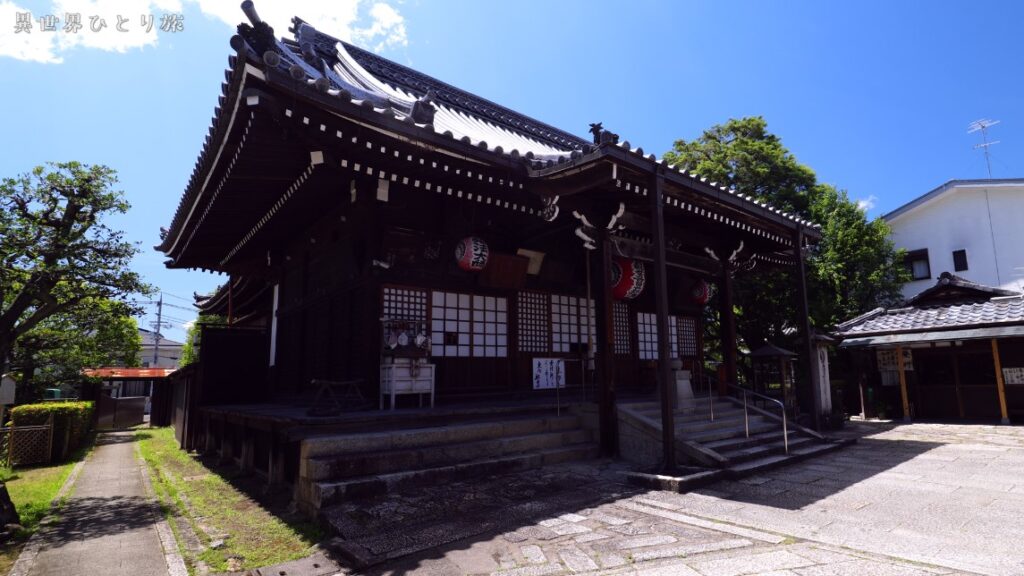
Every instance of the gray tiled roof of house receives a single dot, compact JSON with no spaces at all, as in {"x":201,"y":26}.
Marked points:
{"x":1005,"y":309}
{"x":953,"y":303}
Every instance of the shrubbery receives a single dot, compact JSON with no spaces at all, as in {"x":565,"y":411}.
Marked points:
{"x":71,"y":423}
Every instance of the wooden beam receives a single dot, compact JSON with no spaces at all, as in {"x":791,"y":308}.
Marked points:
{"x":1000,"y":385}
{"x":727,"y":320}
{"x":641,"y":251}
{"x":668,"y":428}
{"x":608,"y":425}
{"x":903,"y":383}
{"x":804,"y":324}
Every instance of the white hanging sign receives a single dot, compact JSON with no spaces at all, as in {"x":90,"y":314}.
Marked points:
{"x":548,"y":373}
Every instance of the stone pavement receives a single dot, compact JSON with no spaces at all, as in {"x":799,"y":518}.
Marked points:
{"x":109,"y":524}
{"x":907,"y":500}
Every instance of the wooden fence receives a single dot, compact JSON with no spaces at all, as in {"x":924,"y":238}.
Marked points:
{"x":26,"y":445}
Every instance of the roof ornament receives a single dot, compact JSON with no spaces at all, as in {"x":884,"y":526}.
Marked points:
{"x":423,"y":108}
{"x":602,"y":136}
{"x":260,"y":34}
{"x":306,"y":36}
{"x":550,"y":210}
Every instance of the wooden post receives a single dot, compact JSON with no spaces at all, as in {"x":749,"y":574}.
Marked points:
{"x":665,"y":380}
{"x":1000,"y":385}
{"x":806,"y":355}
{"x":956,"y":385}
{"x":604,"y":364}
{"x":903,"y":383}
{"x":727,"y":321}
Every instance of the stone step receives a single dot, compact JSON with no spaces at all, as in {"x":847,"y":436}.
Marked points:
{"x":695,"y":415}
{"x":348,"y":443}
{"x":331,"y":492}
{"x":728,"y":421}
{"x":759,"y":465}
{"x":742,"y":441}
{"x":737,"y":456}
{"x":341,"y":466}
{"x":734,"y":431}
{"x":701,"y":405}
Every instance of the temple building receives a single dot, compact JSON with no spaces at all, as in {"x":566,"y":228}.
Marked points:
{"x":402,"y":254}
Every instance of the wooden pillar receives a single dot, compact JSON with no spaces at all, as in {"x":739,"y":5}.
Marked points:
{"x":665,"y":380}
{"x":806,"y":355}
{"x":727,"y":329}
{"x":275,"y":463}
{"x":956,"y":384}
{"x":1000,"y":385}
{"x":903,"y":383}
{"x":604,"y":365}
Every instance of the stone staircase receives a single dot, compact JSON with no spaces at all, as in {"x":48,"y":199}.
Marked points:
{"x":723,"y":442}
{"x":337,"y":467}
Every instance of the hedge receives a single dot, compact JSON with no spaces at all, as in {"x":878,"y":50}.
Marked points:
{"x":71,"y":423}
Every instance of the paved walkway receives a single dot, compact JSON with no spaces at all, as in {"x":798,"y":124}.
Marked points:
{"x":907,"y":500}
{"x":108,"y":526}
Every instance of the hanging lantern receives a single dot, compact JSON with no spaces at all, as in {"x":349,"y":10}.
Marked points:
{"x":700,"y":292}
{"x":471,"y":253}
{"x":628,"y":278}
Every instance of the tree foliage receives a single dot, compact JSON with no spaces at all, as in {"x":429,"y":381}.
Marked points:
{"x":57,"y":256}
{"x":854,"y":267}
{"x":190,"y":351}
{"x":93,"y":333}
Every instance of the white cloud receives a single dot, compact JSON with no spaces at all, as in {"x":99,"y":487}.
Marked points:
{"x":868,"y":203}
{"x":366,"y":22}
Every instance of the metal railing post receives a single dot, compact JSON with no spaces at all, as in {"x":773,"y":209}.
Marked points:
{"x":746,"y":419}
{"x":711,"y":403}
{"x":785,"y":433}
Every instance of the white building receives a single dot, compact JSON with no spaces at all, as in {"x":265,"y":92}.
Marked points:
{"x":169,"y":353}
{"x":972,"y":228}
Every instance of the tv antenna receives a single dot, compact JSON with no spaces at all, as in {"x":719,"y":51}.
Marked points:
{"x":982,"y":126}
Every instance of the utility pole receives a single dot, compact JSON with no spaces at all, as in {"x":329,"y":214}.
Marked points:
{"x":156,"y":334}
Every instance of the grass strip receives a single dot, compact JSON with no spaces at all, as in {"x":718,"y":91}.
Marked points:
{"x":209,"y":497}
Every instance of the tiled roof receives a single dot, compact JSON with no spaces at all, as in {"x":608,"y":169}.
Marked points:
{"x":953,"y":303}
{"x":355,"y":77}
{"x":958,"y":287}
{"x":1002,"y":310}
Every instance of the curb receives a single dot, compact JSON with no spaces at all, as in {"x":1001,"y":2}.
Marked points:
{"x":172,"y":556}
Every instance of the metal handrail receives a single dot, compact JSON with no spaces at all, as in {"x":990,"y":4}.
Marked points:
{"x":746,"y":418}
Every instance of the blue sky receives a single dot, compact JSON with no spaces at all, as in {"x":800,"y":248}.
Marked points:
{"x":874,"y":96}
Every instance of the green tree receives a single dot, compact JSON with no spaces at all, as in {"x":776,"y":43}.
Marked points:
{"x":190,"y":351}
{"x":56,"y":253}
{"x":92,"y":334}
{"x":854,"y":268}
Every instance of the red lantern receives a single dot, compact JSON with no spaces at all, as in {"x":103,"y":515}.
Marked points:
{"x":700,"y":292}
{"x":471,"y":253}
{"x":628,"y":278}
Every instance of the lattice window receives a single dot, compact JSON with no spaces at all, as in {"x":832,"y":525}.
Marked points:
{"x":570,"y":320}
{"x":490,"y":326}
{"x":687,"y":336}
{"x":534,"y":324}
{"x":405,"y":304}
{"x":647,"y":335}
{"x":465,"y":325}
{"x":620,"y":315}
